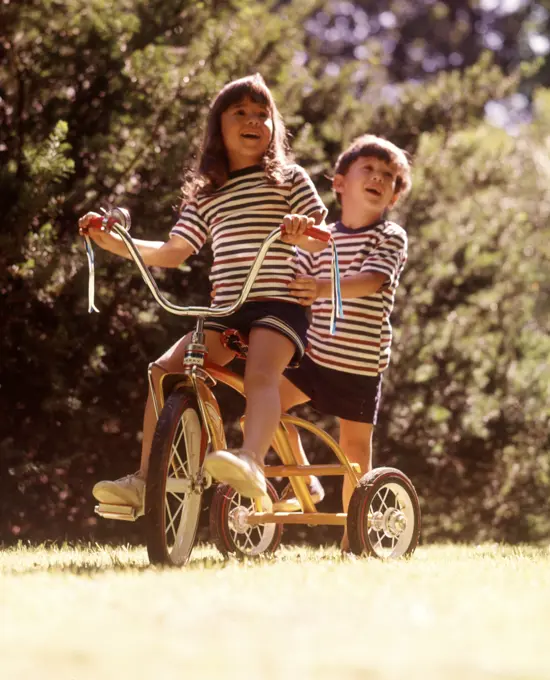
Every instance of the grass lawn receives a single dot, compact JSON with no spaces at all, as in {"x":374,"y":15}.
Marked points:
{"x":96,"y":613}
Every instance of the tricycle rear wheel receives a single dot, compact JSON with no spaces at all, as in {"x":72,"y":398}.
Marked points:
{"x":384,"y":515}
{"x":229,"y":530}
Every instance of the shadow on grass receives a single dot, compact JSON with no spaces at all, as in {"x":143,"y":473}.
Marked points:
{"x":81,"y":567}
{"x":93,"y":559}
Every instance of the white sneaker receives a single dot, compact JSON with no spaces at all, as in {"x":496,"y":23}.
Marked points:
{"x":129,"y":490}
{"x":288,"y":501}
{"x":238,"y":469}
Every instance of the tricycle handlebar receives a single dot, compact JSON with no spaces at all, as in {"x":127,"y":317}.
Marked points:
{"x":119,"y":220}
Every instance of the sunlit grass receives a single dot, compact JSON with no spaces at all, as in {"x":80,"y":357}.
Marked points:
{"x":450,"y":612}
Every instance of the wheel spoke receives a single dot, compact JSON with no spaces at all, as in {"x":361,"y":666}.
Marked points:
{"x":169,"y":513}
{"x":173,"y":517}
{"x":175,"y":449}
{"x":383,"y":500}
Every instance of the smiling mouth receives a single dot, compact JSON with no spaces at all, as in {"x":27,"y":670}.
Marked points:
{"x":250,"y":135}
{"x":374,"y":192}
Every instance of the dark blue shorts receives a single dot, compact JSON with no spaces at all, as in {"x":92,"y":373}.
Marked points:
{"x":286,"y":318}
{"x":345,"y":395}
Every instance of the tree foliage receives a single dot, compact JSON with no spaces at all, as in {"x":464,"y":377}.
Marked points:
{"x":103,"y":105}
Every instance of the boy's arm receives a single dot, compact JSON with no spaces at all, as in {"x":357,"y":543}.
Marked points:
{"x":306,"y":289}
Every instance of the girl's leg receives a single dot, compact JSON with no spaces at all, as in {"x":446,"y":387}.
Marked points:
{"x":172,"y":362}
{"x":356,"y":443}
{"x":130,"y":490}
{"x":269,"y":353}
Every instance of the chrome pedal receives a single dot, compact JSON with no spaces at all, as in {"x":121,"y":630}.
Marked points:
{"x":123,"y":512}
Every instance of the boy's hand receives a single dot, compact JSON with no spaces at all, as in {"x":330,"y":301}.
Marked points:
{"x":294,"y":227}
{"x":305,"y":289}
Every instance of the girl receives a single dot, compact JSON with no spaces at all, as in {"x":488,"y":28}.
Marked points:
{"x":243,"y":188}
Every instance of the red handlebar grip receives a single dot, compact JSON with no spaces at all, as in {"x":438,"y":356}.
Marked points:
{"x":319,"y":234}
{"x":95,"y":222}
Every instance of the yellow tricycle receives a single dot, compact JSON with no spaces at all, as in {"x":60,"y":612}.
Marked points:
{"x":383,"y":518}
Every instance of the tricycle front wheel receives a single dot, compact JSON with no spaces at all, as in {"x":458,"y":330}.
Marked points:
{"x":174,"y":486}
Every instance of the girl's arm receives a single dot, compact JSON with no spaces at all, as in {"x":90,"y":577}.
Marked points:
{"x":295,"y":225}
{"x":306,"y":289}
{"x":171,"y":253}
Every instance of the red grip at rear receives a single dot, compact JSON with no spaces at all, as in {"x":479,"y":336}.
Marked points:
{"x":319,"y":234}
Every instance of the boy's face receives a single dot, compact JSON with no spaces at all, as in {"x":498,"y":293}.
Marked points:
{"x":369,"y":184}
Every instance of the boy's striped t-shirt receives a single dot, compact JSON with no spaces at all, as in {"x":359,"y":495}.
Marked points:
{"x":362,"y":341}
{"x":238,"y":217}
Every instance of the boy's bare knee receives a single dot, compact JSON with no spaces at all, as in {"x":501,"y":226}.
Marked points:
{"x":357,"y":450}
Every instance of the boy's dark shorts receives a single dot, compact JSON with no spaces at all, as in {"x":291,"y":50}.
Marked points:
{"x":286,"y":318}
{"x":346,"y":395}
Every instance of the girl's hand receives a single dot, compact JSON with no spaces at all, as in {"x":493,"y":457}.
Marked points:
{"x":305,"y":289}
{"x":294,"y":227}
{"x":84,"y":222}
{"x":102,"y":238}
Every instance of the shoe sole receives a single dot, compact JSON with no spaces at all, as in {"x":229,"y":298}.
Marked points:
{"x":289,"y":506}
{"x":238,"y":476}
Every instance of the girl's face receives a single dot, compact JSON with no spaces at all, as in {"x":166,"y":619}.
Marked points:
{"x":247,"y":128}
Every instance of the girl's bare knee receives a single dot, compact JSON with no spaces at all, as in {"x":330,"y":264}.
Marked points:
{"x":260,"y":378}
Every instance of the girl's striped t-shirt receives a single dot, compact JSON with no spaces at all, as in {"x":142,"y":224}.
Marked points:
{"x":362,"y":341}
{"x":238,"y":217}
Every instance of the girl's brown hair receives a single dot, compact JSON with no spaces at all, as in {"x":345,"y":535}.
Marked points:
{"x":213,"y":167}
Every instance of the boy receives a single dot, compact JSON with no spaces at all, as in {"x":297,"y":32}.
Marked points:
{"x":341,"y":374}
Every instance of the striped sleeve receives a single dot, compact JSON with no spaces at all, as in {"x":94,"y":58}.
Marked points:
{"x":304,"y":199}
{"x":191,"y":227}
{"x":389,"y":256}
{"x":304,"y":263}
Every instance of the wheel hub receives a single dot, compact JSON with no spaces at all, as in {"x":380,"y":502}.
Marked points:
{"x":238,"y":519}
{"x":395,"y":523}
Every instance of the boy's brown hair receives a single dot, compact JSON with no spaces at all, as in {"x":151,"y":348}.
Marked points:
{"x":378,"y":147}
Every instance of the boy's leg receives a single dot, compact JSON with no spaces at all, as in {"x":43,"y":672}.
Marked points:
{"x":293,"y":396}
{"x":356,"y":443}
